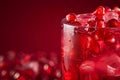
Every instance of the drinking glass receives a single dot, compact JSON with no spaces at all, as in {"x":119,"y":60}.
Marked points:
{"x":90,"y":53}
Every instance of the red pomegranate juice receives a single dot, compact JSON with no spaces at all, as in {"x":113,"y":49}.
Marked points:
{"x":91,"y":45}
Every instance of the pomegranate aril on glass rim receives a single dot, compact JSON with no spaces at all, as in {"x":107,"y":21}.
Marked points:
{"x":99,"y":13}
{"x":71,"y":17}
{"x":117,"y":9}
{"x":90,"y":46}
{"x":107,"y":9}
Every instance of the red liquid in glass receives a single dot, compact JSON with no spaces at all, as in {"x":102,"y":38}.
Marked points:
{"x":91,"y":46}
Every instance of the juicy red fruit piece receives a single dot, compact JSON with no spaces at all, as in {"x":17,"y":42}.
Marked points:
{"x":94,"y":49}
{"x":109,"y":38}
{"x":67,"y":76}
{"x":92,"y":23}
{"x":100,"y":11}
{"x":81,"y":46}
{"x":105,"y":35}
{"x":117,"y":9}
{"x":21,"y":77}
{"x":100,"y":24}
{"x":107,"y":9}
{"x":99,"y":34}
{"x":86,"y":46}
{"x":71,"y":17}
{"x":113,"y":23}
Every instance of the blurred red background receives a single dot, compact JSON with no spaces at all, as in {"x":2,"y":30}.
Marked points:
{"x":35,"y":25}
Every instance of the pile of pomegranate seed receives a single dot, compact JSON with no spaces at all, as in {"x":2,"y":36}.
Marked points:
{"x":102,"y":17}
{"x":30,"y":66}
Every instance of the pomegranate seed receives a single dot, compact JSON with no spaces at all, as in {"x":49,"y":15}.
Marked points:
{"x":100,"y":24}
{"x":99,"y":34}
{"x":92,"y":23}
{"x":107,"y":9}
{"x":100,"y":11}
{"x":87,"y":46}
{"x":84,"y":41}
{"x":113,"y":23}
{"x":117,"y":9}
{"x":94,"y":49}
{"x":109,"y":38}
{"x":28,"y":72}
{"x":91,"y":29}
{"x":117,"y":46}
{"x":67,"y":76}
{"x":71,"y":17}
{"x":21,"y":77}
{"x":47,"y":68}
{"x":75,"y":23}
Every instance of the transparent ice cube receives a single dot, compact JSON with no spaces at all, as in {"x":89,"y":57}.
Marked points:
{"x":109,"y":63}
{"x":87,"y":66}
{"x":110,"y":15}
{"x":84,"y":18}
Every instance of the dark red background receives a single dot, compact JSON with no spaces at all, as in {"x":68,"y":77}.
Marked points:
{"x":33,"y":25}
